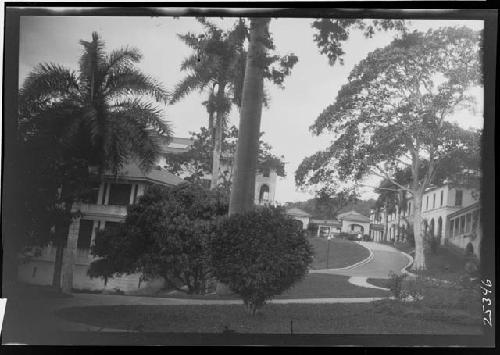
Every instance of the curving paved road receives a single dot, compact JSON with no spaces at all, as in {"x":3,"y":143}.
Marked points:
{"x":385,"y":259}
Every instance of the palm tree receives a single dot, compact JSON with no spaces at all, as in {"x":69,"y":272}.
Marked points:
{"x":215,"y":64}
{"x":242,"y":192}
{"x":102,"y":104}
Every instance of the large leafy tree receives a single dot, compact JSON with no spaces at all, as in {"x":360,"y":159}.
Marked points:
{"x":97,"y":116}
{"x":393,"y":113}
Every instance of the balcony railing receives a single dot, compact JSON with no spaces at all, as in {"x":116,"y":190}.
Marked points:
{"x":101,"y":210}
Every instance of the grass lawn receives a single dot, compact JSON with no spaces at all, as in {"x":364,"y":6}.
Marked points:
{"x":443,"y":265}
{"x":312,"y":286}
{"x":307,"y":319}
{"x":342,"y":253}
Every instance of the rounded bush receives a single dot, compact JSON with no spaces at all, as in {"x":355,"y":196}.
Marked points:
{"x":260,"y":254}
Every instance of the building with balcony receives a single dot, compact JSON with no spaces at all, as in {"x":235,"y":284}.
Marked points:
{"x":112,"y":197}
{"x":265,"y":181}
{"x":443,"y":208}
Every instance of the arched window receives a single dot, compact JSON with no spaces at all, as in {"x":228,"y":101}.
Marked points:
{"x":357,"y":228}
{"x":264,"y":194}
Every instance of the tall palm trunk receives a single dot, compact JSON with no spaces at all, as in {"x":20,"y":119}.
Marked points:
{"x":419,"y":260}
{"x":243,"y":189}
{"x":219,"y":125}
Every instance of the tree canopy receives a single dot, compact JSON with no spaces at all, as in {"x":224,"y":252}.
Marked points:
{"x":394,"y":108}
{"x":197,"y":161}
{"x":394,"y":113}
{"x":102,"y":103}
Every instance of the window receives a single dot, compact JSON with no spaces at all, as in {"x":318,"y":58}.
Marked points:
{"x":427,"y":203}
{"x":434,"y":201}
{"x":451,"y":227}
{"x":93,"y":195}
{"x":85,"y":234}
{"x":458,"y":197}
{"x":457,"y":221}
{"x":264,"y":194}
{"x":119,"y":194}
{"x":266,"y":172}
{"x":462,"y":224}
{"x":442,"y":194}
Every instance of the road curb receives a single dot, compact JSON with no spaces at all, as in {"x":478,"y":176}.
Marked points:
{"x":410,"y":262}
{"x":359,"y":263}
{"x":361,"y":281}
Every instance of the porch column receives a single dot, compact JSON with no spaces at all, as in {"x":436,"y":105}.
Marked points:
{"x":69,"y":256}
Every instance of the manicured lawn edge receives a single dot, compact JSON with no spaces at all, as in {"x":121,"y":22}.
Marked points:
{"x":371,"y":318}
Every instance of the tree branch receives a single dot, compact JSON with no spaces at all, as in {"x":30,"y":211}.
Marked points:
{"x":385,"y":175}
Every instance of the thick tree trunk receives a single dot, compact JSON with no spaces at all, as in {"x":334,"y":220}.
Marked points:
{"x":419,"y":260}
{"x":217,"y":151}
{"x":60,"y":244}
{"x":243,"y":187}
{"x":58,"y":262}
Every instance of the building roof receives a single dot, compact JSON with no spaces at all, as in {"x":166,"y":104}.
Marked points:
{"x":297,"y":212}
{"x":353,"y":216}
{"x":132,"y":171}
{"x":326,"y":222}
{"x":177,"y":145}
{"x":475,"y":205}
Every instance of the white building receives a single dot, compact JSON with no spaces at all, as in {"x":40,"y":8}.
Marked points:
{"x":265,"y":182}
{"x":350,"y":222}
{"x":441,"y":206}
{"x":113,"y":195}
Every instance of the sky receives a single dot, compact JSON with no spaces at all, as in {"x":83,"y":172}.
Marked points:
{"x":312,"y":86}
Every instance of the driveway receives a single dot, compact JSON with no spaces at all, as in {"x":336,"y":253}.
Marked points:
{"x":385,"y":259}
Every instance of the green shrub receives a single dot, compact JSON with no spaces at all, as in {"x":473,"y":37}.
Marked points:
{"x":259,"y":255}
{"x":395,"y":284}
{"x":164,"y":235}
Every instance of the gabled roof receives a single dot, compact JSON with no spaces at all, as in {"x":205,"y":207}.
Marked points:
{"x":131,"y":171}
{"x":353,"y":216}
{"x":297,"y":212}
